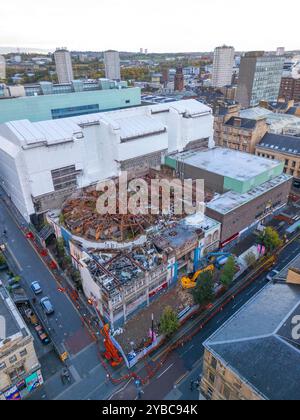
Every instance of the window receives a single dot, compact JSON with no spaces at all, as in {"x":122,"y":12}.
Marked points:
{"x":286,"y":162}
{"x":211,"y":378}
{"x":13,"y":359}
{"x":128,"y":101}
{"x":23,"y":353}
{"x":15,"y":374}
{"x":74,"y":111}
{"x":210,"y":392}
{"x":64,"y":178}
{"x":213,"y":363}
{"x":2,"y":366}
{"x":226,"y":392}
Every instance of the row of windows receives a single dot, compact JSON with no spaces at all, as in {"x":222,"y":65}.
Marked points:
{"x":13,"y":359}
{"x":74,"y":111}
{"x":292,"y":163}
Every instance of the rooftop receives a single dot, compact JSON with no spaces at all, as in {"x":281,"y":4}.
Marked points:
{"x":244,"y":123}
{"x":11,"y":322}
{"x":285,"y":144}
{"x":260,"y":336}
{"x":228,"y":163}
{"x":295,"y":264}
{"x":279,"y":123}
{"x":136,"y":126}
{"x":231,"y":200}
{"x":132,"y":122}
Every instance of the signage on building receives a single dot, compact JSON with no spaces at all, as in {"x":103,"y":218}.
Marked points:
{"x":223,"y":244}
{"x":159,"y":289}
{"x":34,"y":381}
{"x":12,"y":394}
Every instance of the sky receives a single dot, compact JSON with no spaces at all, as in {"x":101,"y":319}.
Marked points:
{"x":159,"y":25}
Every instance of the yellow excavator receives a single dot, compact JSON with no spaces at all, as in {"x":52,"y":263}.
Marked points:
{"x":190,"y":281}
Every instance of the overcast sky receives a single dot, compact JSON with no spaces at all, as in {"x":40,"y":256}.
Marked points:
{"x":159,"y":25}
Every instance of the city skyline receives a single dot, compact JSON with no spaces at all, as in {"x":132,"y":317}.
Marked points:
{"x":96,"y":32}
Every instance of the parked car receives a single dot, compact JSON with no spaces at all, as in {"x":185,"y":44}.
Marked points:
{"x":47,"y":306}
{"x":36,"y":288}
{"x":42,"y":334}
{"x":272,"y":275}
{"x":14,"y":283}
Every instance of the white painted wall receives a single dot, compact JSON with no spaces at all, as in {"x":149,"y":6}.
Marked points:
{"x":99,"y":153}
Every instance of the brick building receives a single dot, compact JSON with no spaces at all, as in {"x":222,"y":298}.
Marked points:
{"x":290,"y":89}
{"x":238,"y":133}
{"x":247,"y":190}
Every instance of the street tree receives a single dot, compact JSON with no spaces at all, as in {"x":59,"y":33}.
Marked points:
{"x":203,"y":293}
{"x":169,"y":322}
{"x":228,"y":272}
{"x":270,"y":239}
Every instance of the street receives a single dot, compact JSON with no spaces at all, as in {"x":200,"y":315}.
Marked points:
{"x":65,"y":325}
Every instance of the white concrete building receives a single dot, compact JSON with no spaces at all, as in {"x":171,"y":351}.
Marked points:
{"x":63,"y":64}
{"x":42,"y":163}
{"x":2,"y":68}
{"x":223,"y":66}
{"x":112,"y":65}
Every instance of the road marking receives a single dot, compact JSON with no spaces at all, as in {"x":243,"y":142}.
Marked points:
{"x":187,"y":351}
{"x":75,"y":373}
{"x":120,"y":390}
{"x":14,"y":258}
{"x":165,"y":371}
{"x":181,"y":378}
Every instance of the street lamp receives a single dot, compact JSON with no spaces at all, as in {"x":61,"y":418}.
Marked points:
{"x":152,"y":318}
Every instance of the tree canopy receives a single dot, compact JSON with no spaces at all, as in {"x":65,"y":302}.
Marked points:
{"x":169,"y":322}
{"x":270,"y":239}
{"x":228,"y":272}
{"x":203,"y":293}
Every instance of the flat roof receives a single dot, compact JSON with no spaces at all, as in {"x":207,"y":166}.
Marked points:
{"x":11,"y":322}
{"x":132,"y":122}
{"x":228,"y":163}
{"x":231,"y":200}
{"x":137,"y":126}
{"x":257,"y":343}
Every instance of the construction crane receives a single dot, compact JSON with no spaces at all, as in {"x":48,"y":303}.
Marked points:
{"x":190,"y":281}
{"x":111,"y":353}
